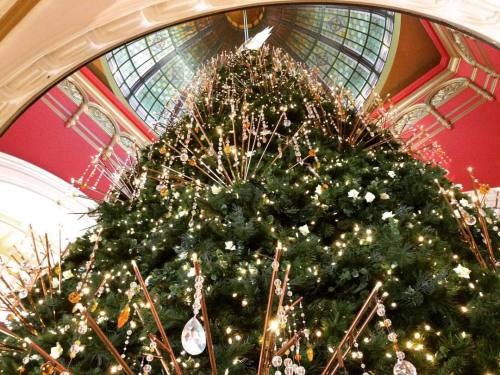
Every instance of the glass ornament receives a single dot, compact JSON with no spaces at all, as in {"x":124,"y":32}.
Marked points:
{"x":392,"y":337}
{"x":300,"y":370}
{"x":193,"y":337}
{"x":288,"y":362}
{"x":277,"y":361}
{"x":380,"y":310}
{"x":23,"y":294}
{"x":404,"y":368}
{"x":470,"y":220}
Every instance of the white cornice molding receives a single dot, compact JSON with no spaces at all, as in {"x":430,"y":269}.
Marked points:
{"x":56,"y":37}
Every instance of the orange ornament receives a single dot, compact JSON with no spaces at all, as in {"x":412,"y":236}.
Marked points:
{"x":74,"y":297}
{"x":124,"y":315}
{"x":227,"y":149}
{"x":47,"y":369}
{"x":298,"y":357}
{"x":312,"y":152}
{"x":192,"y":162}
{"x":163,"y":150}
{"x":484,"y":188}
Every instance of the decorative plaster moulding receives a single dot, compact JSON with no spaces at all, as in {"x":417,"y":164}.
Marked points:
{"x":33,"y":196}
{"x":45,"y":46}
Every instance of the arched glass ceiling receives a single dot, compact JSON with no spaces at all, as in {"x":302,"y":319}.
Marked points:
{"x":347,"y":45}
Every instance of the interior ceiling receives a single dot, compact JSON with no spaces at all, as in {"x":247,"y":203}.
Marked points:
{"x":415,"y":55}
{"x":348,"y":46}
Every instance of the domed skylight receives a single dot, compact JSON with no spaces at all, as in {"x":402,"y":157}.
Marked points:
{"x":347,"y":45}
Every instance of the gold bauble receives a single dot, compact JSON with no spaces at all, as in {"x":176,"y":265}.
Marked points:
{"x":310,"y":353}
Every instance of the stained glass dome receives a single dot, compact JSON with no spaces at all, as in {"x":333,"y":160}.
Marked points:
{"x":347,"y":45}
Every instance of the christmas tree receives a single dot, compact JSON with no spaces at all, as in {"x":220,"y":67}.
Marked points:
{"x":265,"y":162}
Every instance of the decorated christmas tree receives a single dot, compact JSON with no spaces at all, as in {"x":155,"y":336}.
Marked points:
{"x":274,"y":228}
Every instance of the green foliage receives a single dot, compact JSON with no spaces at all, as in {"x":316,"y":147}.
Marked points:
{"x":348,"y":247}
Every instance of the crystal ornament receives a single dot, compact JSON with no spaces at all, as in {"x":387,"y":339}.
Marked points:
{"x":404,"y":368}
{"x":470,"y":220}
{"x":277,"y":361}
{"x":193,"y":337}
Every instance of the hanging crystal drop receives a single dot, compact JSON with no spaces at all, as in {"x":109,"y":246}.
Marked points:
{"x":404,"y":368}
{"x":193,"y":337}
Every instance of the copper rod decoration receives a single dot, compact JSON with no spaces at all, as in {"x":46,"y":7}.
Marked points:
{"x":353,"y":325}
{"x":206,"y":323}
{"x":272,"y":338}
{"x":355,"y":337}
{"x":47,"y":251}
{"x":482,"y":221}
{"x":283,"y":288}
{"x":464,"y":229}
{"x":156,"y":318}
{"x":296,"y":302}
{"x":263,"y":347}
{"x":288,"y":344}
{"x":104,"y":339}
{"x":34,"y":346}
{"x":158,"y":353}
{"x":35,"y":250}
{"x":14,"y":311}
{"x":47,"y":356}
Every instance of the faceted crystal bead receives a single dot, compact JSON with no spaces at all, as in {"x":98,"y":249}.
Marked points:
{"x":277,"y":361}
{"x":404,"y":368}
{"x":392,"y":337}
{"x":193,"y":337}
{"x":300,"y":370}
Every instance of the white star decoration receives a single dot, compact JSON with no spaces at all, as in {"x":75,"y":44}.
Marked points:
{"x":304,"y":230}
{"x":462,"y":271}
{"x":353,"y":193}
{"x":387,"y":215}
{"x":369,"y":197}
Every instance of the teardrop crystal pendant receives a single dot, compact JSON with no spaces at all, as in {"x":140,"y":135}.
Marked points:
{"x":193,"y":337}
{"x":404,"y":368}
